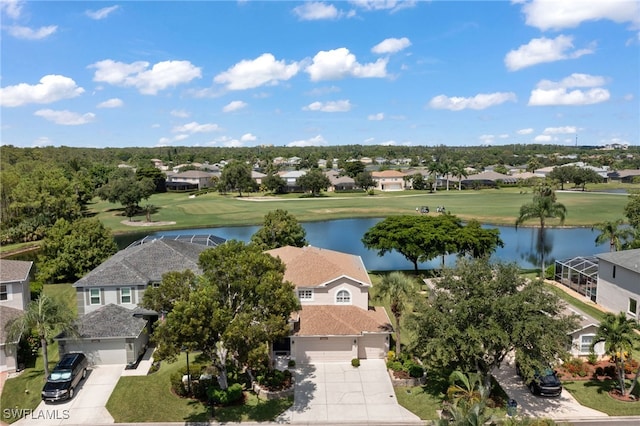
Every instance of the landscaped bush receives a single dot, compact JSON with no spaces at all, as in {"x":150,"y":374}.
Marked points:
{"x":576,"y":367}
{"x":355,"y":362}
{"x":394,"y":365}
{"x":631,"y":366}
{"x":291,"y":363}
{"x":413,"y":368}
{"x":177,"y":386}
{"x":275,"y":380}
{"x":229,"y":396}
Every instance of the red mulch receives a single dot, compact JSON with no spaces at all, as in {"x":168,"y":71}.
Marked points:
{"x":615,"y":394}
{"x":602,"y":370}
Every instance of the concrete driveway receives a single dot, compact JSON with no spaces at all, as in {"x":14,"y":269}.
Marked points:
{"x":87,"y":406}
{"x":332,"y":393}
{"x":563,"y":407}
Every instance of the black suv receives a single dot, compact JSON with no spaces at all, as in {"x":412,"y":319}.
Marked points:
{"x":65,"y":376}
{"x":545,"y":382}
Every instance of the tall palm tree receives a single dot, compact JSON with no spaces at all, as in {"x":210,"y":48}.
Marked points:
{"x":434,"y":170}
{"x":543,"y":206}
{"x":46,"y":317}
{"x":459,"y":171}
{"x":617,"y":333}
{"x":445,"y":170}
{"x":612,"y":232}
{"x":399,"y":289}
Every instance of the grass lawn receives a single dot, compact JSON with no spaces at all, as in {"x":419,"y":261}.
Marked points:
{"x":595,"y":394}
{"x":494,"y":206}
{"x":150,"y":399}
{"x":583,"y":306}
{"x":420,"y":401}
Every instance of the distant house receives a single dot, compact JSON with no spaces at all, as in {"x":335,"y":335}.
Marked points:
{"x":291,"y":179}
{"x":487,"y":178}
{"x":113,"y":328}
{"x":191,"y":179}
{"x":582,"y":336}
{"x":15,"y":295}
{"x":335,"y":322}
{"x":619,"y":281}
{"x":339,"y":183}
{"x":624,"y":176}
{"x":257,"y":176}
{"x":389,"y":180}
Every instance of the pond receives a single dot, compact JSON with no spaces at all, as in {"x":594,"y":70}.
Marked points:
{"x":345,"y":235}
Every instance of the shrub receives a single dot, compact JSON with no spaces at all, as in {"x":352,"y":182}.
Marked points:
{"x":576,"y":367}
{"x":592,"y":358}
{"x":274,"y":380}
{"x":395,"y":365}
{"x":227,"y":396}
{"x":291,"y":363}
{"x":631,"y":366}
{"x":414,"y":369}
{"x":199,"y":388}
{"x":391,"y":356}
{"x":355,"y":362}
{"x":176,"y":383}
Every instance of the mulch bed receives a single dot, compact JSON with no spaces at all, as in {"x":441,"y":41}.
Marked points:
{"x":602,"y":370}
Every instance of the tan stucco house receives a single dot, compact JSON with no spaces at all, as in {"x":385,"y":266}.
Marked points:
{"x":335,"y":322}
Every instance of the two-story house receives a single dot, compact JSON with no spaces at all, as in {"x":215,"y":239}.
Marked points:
{"x":619,"y":282}
{"x":335,"y":322}
{"x":112,"y":328}
{"x":389,"y":180}
{"x":15,"y":294}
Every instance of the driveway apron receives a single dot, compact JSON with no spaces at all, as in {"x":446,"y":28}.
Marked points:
{"x":87,"y":406}
{"x":562,"y":407}
{"x":329,"y":393}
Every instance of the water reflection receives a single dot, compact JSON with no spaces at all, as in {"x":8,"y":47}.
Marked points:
{"x":522,"y":246}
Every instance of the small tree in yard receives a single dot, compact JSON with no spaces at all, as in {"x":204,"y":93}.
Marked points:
{"x":618,"y":334}
{"x":280,"y":229}
{"x":398,"y":288}
{"x":46,"y":317}
{"x":314,"y":181}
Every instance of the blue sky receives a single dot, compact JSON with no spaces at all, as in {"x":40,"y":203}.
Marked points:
{"x":247,"y":73}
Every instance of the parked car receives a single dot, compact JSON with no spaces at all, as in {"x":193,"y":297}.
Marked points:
{"x":65,"y":377}
{"x":544,"y":383}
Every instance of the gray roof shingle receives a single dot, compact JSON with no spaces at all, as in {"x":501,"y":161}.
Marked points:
{"x":14,"y":270}
{"x":7,"y":314}
{"x":629,"y":259}
{"x":142,"y":264}
{"x":108,"y":321}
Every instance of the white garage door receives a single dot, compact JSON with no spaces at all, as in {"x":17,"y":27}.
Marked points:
{"x":372,"y":346}
{"x":324,"y":349}
{"x":100,"y":353}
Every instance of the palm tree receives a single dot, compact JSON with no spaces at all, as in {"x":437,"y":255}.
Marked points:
{"x":464,"y":387}
{"x":46,"y":317}
{"x":543,"y":206}
{"x":434,"y":170}
{"x":459,"y":171}
{"x":610,"y":231}
{"x":445,"y":170}
{"x":399,"y":288}
{"x":618,"y":334}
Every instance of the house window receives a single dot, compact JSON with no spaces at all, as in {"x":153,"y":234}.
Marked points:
{"x":343,"y":296}
{"x":585,"y":343}
{"x":613,"y":272}
{"x":125,"y":295}
{"x":4,"y":295}
{"x":633,"y":306}
{"x":305,"y":294}
{"x":94,"y":294}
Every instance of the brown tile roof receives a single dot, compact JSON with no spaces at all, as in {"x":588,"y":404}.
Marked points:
{"x":331,"y":320}
{"x":312,"y":266}
{"x":388,"y":173}
{"x":14,"y":270}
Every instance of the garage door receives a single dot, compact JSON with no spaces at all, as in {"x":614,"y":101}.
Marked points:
{"x":372,"y":346}
{"x":324,"y":349}
{"x":100,"y":353}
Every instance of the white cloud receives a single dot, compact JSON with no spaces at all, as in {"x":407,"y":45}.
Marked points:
{"x":526,"y":131}
{"x":12,"y":8}
{"x":340,"y":63}
{"x":65,"y":118}
{"x":480,"y":101}
{"x":331,"y":106}
{"x":111,"y":103}
{"x":51,"y":88}
{"x":313,"y":11}
{"x":234,"y":106}
{"x":566,"y":130}
{"x":557,"y":92}
{"x":248,"y":74}
{"x":42,"y":141}
{"x":574,"y":80}
{"x":180,"y":113}
{"x":394,"y":5}
{"x":195,"y":127}
{"x":487,"y":139}
{"x":148,"y":81}
{"x":180,"y":137}
{"x":101,"y":13}
{"x":544,"y":138}
{"x":376,"y":117}
{"x":559,"y":14}
{"x":388,"y":143}
{"x":542,"y":50}
{"x":391,"y":45}
{"x":319,"y":91}
{"x":314,"y":141}
{"x":248,"y":137}
{"x":30,"y":34}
